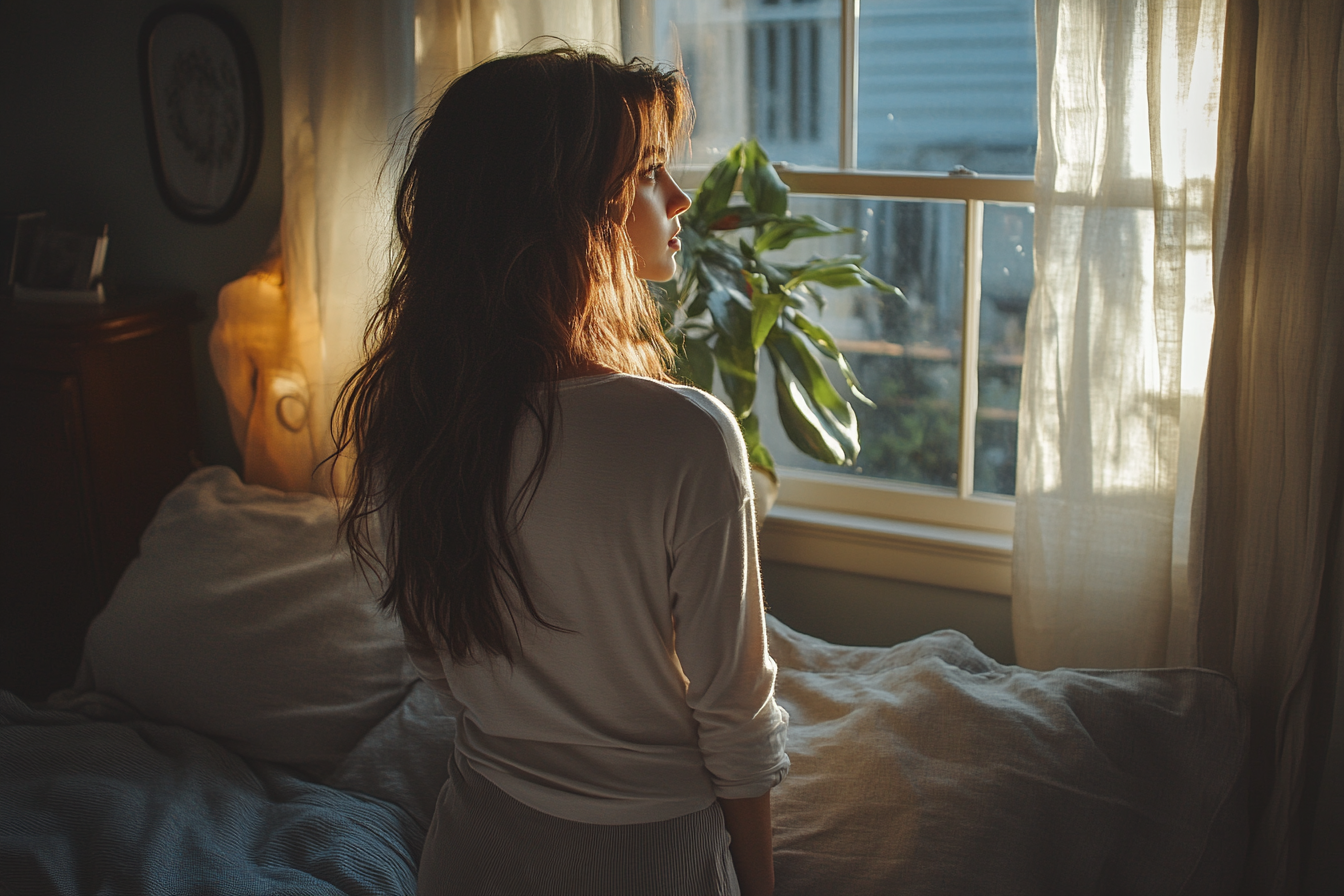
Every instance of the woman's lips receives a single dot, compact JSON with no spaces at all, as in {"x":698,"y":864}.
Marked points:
{"x":675,"y":244}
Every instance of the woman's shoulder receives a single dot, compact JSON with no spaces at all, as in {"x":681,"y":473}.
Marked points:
{"x":643,"y":397}
{"x":671,"y":411}
{"x":651,"y":439}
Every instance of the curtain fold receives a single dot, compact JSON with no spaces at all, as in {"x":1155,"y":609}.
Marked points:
{"x":353,"y":75}
{"x":1117,"y":330}
{"x":453,"y":35}
{"x":1267,"y":577}
{"x":347,"y":72}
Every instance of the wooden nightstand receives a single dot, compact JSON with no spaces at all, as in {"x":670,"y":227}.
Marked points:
{"x":97,"y":424}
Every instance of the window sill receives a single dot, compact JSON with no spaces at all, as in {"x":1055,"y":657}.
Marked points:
{"x":864,"y":497}
{"x":948,"y":556}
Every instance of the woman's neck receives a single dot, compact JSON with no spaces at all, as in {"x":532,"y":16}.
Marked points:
{"x":584,"y":368}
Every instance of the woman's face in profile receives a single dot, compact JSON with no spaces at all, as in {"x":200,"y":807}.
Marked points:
{"x":652,"y":223}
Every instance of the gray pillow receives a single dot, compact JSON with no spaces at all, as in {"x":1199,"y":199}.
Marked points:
{"x":244,"y":619}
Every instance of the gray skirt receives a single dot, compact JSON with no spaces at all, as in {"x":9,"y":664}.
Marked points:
{"x":484,"y":841}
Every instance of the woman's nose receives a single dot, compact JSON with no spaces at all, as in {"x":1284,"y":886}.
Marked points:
{"x":678,"y":202}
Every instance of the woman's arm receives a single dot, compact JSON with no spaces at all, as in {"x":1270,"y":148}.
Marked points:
{"x":748,"y":823}
{"x":426,"y":661}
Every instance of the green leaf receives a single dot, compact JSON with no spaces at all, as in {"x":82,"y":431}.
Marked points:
{"x":705,"y":278}
{"x":816,"y":401}
{"x":698,"y":303}
{"x":800,"y":420}
{"x":837,"y":276}
{"x":714,"y":252}
{"x":757,"y":454}
{"x":776,"y":276}
{"x":798,"y":355}
{"x":696,"y":363}
{"x":765,"y":309}
{"x":737,"y":368}
{"x":823,"y":340}
{"x":716,"y":189}
{"x":691,"y":247}
{"x":737,"y":217}
{"x":817,"y":298}
{"x":778,"y":234}
{"x":854,"y":260}
{"x":737,"y":358}
{"x":665,"y":297}
{"x":715,"y":273}
{"x":761,"y":186}
{"x":880,"y":284}
{"x":731,"y":313}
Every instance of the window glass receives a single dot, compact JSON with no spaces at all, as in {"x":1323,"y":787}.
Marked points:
{"x":945,"y":83}
{"x":1006,"y":280}
{"x":769,"y":70}
{"x":942,"y":83}
{"x":906,"y":354}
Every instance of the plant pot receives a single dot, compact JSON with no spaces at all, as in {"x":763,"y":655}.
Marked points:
{"x":766,"y":489}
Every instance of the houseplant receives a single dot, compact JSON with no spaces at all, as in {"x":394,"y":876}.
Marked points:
{"x":729,"y":302}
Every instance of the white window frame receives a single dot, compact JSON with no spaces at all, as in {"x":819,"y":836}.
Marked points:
{"x":952,"y":538}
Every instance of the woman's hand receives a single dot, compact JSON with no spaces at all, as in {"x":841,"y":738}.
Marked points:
{"x":748,"y":823}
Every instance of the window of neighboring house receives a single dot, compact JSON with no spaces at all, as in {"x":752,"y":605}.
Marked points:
{"x":871,"y":109}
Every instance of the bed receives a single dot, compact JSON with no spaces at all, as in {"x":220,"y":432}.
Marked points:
{"x":245,"y":722}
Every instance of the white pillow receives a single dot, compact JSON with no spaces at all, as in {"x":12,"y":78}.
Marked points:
{"x":244,"y":619}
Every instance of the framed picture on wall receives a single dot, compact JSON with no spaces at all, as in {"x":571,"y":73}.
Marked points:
{"x":201,"y":92}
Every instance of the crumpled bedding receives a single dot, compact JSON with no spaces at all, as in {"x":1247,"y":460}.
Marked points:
{"x":92,"y":805}
{"x":929,"y":768}
{"x":920,"y":768}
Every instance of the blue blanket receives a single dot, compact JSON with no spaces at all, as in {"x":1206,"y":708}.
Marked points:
{"x":90,"y":806}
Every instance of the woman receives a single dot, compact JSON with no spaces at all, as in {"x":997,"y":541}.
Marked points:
{"x":566,"y":534}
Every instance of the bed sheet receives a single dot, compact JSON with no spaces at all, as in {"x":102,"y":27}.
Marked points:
{"x":100,"y":805}
{"x":929,"y":768}
{"x":920,"y":768}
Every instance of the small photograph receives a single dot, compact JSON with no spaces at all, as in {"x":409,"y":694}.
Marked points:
{"x":65,"y":259}
{"x":53,"y":262}
{"x":19,"y":231}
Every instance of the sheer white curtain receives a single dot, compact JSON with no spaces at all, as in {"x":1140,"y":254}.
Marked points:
{"x":352,"y":72}
{"x":1117,"y":332}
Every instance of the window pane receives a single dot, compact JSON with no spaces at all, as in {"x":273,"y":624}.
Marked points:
{"x":769,"y":70}
{"x":947,"y":82}
{"x":906,"y":356}
{"x":1005,"y":286}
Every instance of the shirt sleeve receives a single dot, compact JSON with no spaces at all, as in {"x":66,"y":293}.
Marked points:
{"x":719,"y":615}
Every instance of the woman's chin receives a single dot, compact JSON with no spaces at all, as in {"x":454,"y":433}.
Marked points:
{"x":659,"y":274}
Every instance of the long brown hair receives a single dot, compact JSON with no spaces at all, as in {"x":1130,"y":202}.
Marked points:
{"x":512,"y":266}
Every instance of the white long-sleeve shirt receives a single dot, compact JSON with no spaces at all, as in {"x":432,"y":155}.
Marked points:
{"x":640,"y":540}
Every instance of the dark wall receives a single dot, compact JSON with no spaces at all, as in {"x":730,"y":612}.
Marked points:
{"x":850,"y":608}
{"x":72,"y":142}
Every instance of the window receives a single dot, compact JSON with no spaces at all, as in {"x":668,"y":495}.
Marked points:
{"x":913,"y":123}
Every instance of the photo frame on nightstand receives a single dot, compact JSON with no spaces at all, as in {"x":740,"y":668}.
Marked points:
{"x":201,"y":92}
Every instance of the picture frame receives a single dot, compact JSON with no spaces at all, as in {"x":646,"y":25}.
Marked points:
{"x":201,"y":92}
